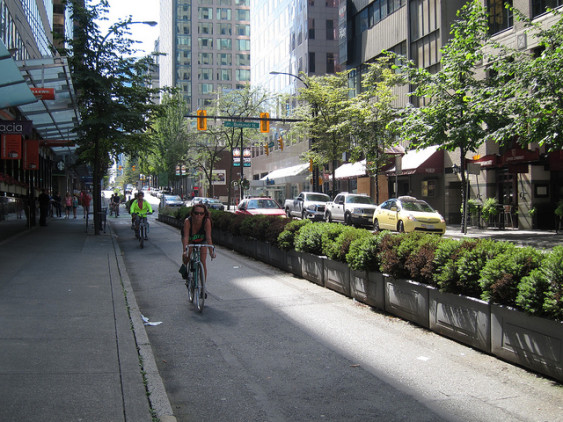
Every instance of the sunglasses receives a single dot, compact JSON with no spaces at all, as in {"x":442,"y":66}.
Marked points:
{"x":198,"y":213}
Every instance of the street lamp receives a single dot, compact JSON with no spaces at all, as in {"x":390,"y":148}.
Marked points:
{"x":315,"y":174}
{"x":97,"y":164}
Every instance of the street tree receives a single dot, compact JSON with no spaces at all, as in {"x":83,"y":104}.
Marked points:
{"x":451,"y":112}
{"x":371,"y":113}
{"x":241,"y":104}
{"x":530,"y":87}
{"x":323,"y":111}
{"x":113,"y":92}
{"x":171,"y":138}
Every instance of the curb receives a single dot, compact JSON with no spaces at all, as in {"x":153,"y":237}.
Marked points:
{"x":157,"y":396}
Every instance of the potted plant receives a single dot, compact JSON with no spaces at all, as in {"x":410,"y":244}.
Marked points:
{"x":490,"y":209}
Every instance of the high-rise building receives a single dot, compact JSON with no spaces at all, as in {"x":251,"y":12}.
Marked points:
{"x":205,"y":47}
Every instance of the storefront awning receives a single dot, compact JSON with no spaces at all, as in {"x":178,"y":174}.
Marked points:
{"x":351,"y":170}
{"x":14,"y":90}
{"x":293,"y":174}
{"x":56,"y":118}
{"x":425,"y":161}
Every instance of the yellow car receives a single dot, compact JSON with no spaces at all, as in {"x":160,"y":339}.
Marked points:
{"x":408,"y":214}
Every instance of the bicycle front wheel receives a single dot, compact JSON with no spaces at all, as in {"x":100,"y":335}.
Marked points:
{"x":200,"y":288}
{"x":142,"y":236}
{"x":190,"y":285}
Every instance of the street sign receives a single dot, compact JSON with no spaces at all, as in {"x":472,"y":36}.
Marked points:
{"x":247,"y":125}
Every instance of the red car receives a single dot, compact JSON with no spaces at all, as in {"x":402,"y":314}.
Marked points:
{"x":264,"y":206}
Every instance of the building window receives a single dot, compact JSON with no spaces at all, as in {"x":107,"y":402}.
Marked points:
{"x":330,"y":63}
{"x":539,"y":6}
{"x":242,"y":2}
{"x":243,"y":30}
{"x":311,"y":29}
{"x":205,"y":12}
{"x":243,"y":14}
{"x":330,"y":34}
{"x":225,"y":29}
{"x":428,"y":188}
{"x":224,"y":44}
{"x":364,"y":20}
{"x":182,"y":40}
{"x":205,"y":28}
{"x":223,"y":14}
{"x":500,"y":18}
{"x":312,"y":62}
{"x":225,"y":2}
{"x":224,"y":75}
{"x":243,"y":59}
{"x":243,"y":45}
{"x":205,"y":89}
{"x":243,"y":75}
{"x":205,"y":74}
{"x":225,"y":59}
{"x":205,"y":59}
{"x":205,"y":43}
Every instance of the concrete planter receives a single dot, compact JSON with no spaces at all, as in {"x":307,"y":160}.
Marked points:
{"x":407,"y":299}
{"x":262,"y":252}
{"x":244,"y":246}
{"x":368,"y":288}
{"x":532,"y":342}
{"x":461,"y":318}
{"x":312,"y":267}
{"x":278,"y":258}
{"x":294,"y":262}
{"x":337,"y":276}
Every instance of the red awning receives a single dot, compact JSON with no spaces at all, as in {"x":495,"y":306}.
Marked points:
{"x":426,"y":161}
{"x":556,"y":161}
{"x":519,"y":156}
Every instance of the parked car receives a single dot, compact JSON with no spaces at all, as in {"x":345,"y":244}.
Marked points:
{"x":194,"y":200}
{"x":408,"y":214}
{"x":351,"y":208}
{"x":213,"y":204}
{"x":128,"y":189}
{"x":171,"y":201}
{"x":307,"y":205}
{"x":255,"y":206}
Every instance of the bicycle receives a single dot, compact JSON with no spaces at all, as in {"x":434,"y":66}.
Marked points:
{"x":196,"y":276}
{"x":141,"y":229}
{"x":114,"y":209}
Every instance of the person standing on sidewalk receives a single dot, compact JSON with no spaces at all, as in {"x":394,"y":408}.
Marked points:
{"x":74,"y":204}
{"x":85,"y":199}
{"x":68,"y":204}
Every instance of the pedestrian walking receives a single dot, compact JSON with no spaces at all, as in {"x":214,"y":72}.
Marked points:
{"x":85,"y":199}
{"x":68,"y":204}
{"x":44,"y":202}
{"x":74,"y":204}
{"x":56,"y":199}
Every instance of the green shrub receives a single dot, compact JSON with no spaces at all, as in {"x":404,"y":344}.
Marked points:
{"x":275,"y":228}
{"x":235,"y":224}
{"x":221,"y":219}
{"x":395,"y":250}
{"x":501,"y":275}
{"x":490,"y":208}
{"x":331,"y":231}
{"x":364,"y":252}
{"x":420,"y":262}
{"x":286,"y":238}
{"x":309,"y":238}
{"x":541,"y":292}
{"x":470,"y":264}
{"x":339,"y":247}
{"x":445,"y":262}
{"x":251,"y":226}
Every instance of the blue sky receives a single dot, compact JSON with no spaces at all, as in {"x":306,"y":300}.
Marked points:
{"x":140,"y":10}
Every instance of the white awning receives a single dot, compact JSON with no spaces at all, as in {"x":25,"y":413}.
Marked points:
{"x":349,"y":170}
{"x":293,"y":174}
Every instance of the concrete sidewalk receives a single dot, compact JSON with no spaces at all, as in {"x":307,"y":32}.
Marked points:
{"x":73,"y":343}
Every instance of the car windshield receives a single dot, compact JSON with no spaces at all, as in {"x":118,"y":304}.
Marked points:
{"x":262,"y":203}
{"x":419,"y":206}
{"x":318,"y":197}
{"x":212,"y":201}
{"x":360,"y":200}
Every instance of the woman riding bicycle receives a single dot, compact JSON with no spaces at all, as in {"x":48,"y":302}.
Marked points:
{"x":197,"y":229}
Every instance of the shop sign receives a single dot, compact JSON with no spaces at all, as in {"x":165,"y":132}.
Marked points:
{"x":43,"y":93}
{"x":11,"y":147}
{"x":30,"y":154}
{"x":16,"y":127}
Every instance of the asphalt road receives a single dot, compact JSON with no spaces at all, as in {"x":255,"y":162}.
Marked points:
{"x":272,"y":347}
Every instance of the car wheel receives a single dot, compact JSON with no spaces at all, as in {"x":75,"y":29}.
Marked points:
{"x":401,"y":227}
{"x":376,"y":225}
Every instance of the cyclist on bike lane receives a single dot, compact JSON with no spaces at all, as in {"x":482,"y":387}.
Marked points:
{"x":140,"y":208}
{"x":115,"y":200}
{"x":197,"y":229}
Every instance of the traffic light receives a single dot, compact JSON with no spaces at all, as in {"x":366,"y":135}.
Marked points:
{"x":201,"y":120}
{"x":264,"y":122}
{"x":266,"y":149}
{"x":280,"y":142}
{"x":133,"y":168}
